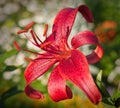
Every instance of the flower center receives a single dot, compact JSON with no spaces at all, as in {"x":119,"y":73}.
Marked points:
{"x":63,"y":55}
{"x":64,"y":52}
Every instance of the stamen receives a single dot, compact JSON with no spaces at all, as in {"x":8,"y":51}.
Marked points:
{"x":22,"y":31}
{"x":45,"y":44}
{"x":26,"y":28}
{"x":49,"y":48}
{"x":45,"y":30}
{"x":30,"y":51}
{"x":16,"y":46}
{"x":34,"y":37}
{"x":30,"y":40}
{"x":28,"y":59}
{"x":53,"y":50}
{"x":44,"y":58}
{"x":29,"y":26}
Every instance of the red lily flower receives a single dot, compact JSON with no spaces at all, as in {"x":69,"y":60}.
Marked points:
{"x":72,"y":64}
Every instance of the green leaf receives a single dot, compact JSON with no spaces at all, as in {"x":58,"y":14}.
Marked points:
{"x":116,"y":95}
{"x":11,"y":92}
{"x":2,"y":67}
{"x":105,"y":93}
{"x":10,"y":68}
{"x":116,"y":98}
{"x":99,"y":76}
{"x":6,"y":55}
{"x":117,"y":103}
{"x":103,"y":90}
{"x":108,"y":101}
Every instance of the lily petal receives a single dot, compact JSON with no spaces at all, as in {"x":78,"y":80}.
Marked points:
{"x":57,"y":88}
{"x":33,"y":93}
{"x":34,"y":70}
{"x":86,"y":12}
{"x":64,"y":21}
{"x":76,"y":69}
{"x":96,"y":55}
{"x":87,"y":37}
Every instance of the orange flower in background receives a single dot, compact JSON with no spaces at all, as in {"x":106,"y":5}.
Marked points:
{"x":106,"y":31}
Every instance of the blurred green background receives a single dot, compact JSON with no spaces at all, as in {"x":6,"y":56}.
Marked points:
{"x":15,"y":14}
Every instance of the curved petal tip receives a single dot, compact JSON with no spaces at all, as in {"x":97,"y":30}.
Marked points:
{"x":32,"y":93}
{"x":86,"y":12}
{"x":57,"y":88}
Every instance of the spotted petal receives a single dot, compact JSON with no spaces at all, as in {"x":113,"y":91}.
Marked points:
{"x":76,"y":69}
{"x":87,"y":37}
{"x":64,"y":21}
{"x":34,"y":70}
{"x":57,"y":88}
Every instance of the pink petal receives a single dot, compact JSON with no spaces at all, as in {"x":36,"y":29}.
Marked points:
{"x":96,"y":55}
{"x":57,"y":88}
{"x":33,"y":93}
{"x":87,"y":37}
{"x":76,"y":69}
{"x":64,"y":21}
{"x":86,"y":12}
{"x":83,"y":38}
{"x":34,"y":70}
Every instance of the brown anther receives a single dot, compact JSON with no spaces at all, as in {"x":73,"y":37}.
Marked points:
{"x":28,"y":59}
{"x":22,"y":31}
{"x":16,"y":46}
{"x":29,"y":26}
{"x":26,"y":28}
{"x":45,"y":30}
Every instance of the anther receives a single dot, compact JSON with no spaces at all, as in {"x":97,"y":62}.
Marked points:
{"x":22,"y":31}
{"x":29,"y":26}
{"x":45,"y":30}
{"x":28,"y":59}
{"x":26,"y":28}
{"x":16,"y":46}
